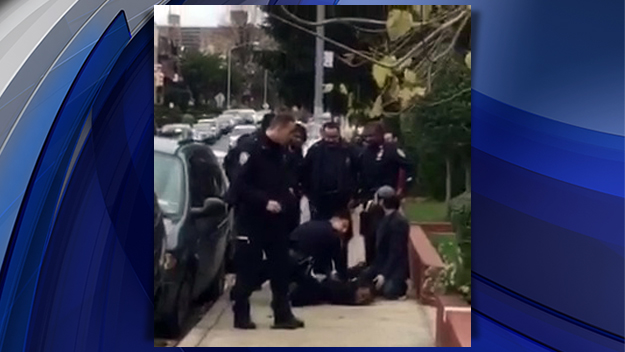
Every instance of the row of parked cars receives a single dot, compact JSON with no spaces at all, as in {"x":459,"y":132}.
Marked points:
{"x":193,"y":225}
{"x":210,"y":129}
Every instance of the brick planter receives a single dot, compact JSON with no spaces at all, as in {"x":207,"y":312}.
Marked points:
{"x":425,"y":265}
{"x":434,"y":228}
{"x":453,"y":321}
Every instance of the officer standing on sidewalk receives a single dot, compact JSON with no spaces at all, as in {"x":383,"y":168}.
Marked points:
{"x":330,"y":174}
{"x":381,"y":164}
{"x":242,"y":148}
{"x":261,"y":196}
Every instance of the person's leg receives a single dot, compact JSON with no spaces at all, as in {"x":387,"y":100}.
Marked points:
{"x":367,"y":230}
{"x":278,"y":260}
{"x":248,"y":259}
{"x":394,"y":289}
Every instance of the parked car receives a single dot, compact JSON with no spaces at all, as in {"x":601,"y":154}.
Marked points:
{"x":239,"y":131}
{"x":245,"y":115}
{"x":159,"y":237}
{"x":190,"y":185}
{"x":177,"y":131}
{"x":207,"y":131}
{"x":227,"y":123}
{"x":258,"y":116}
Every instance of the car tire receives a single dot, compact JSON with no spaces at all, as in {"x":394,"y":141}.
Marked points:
{"x":180,"y":309}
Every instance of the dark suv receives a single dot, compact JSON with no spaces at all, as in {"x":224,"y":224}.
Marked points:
{"x":190,"y":186}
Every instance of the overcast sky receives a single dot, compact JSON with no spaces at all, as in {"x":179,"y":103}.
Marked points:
{"x":195,"y":15}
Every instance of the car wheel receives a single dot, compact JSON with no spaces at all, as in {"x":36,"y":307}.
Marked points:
{"x":179,"y":311}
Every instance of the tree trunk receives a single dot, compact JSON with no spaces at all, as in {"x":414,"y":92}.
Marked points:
{"x":447,"y":180}
{"x":467,"y":176}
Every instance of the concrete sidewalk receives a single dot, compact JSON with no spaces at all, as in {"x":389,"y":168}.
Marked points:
{"x":383,"y":324}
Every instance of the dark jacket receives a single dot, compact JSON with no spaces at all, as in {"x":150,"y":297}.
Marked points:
{"x":295,"y":164}
{"x":330,"y":171}
{"x":319,"y":240}
{"x":381,"y":167}
{"x":392,"y":247}
{"x":263,"y":176}
{"x":232,"y":161}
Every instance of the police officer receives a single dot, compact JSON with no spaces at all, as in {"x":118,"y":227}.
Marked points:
{"x":261,"y":196}
{"x":323,"y":241}
{"x":330,"y":170}
{"x":295,"y":162}
{"x":381,"y":164}
{"x":243,"y":147}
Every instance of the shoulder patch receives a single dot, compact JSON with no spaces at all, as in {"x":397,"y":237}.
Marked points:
{"x":243,"y":157}
{"x":401,"y":153}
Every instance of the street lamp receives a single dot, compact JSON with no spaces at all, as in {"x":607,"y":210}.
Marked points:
{"x":253,"y":44}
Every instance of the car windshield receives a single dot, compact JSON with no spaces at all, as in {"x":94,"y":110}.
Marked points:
{"x":241,"y":130}
{"x":169,"y":184}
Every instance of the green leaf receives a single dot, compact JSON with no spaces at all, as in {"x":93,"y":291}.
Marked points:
{"x":380,"y":73}
{"x":398,"y":23}
{"x":467,"y":60}
{"x":410,"y":76}
{"x":422,"y":11}
{"x":407,"y":95}
{"x":393,"y":91}
{"x":376,"y":110}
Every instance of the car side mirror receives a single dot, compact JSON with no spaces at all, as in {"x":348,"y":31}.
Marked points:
{"x":211,"y":207}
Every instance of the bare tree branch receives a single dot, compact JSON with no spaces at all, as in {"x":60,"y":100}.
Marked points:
{"x":331,"y":20}
{"x":367,"y":57}
{"x":342,"y":20}
{"x":449,"y":98}
{"x":432,"y":35}
{"x":331,"y":41}
{"x":454,"y":40}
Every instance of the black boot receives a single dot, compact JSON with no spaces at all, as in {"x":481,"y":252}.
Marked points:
{"x":284,"y":318}
{"x":242,"y":318}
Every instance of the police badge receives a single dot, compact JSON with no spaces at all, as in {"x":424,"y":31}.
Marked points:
{"x":243,"y":158}
{"x":380,"y":154}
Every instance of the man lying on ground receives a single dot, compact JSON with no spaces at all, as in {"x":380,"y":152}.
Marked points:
{"x":309,"y":288}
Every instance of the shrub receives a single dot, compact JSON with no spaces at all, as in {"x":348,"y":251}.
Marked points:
{"x":460,"y":215}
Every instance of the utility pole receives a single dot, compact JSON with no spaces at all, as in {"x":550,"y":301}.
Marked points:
{"x":229,"y":74}
{"x":318,"y":104}
{"x":265,"y":90}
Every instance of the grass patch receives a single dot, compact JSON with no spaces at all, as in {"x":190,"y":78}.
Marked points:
{"x":426,"y":211}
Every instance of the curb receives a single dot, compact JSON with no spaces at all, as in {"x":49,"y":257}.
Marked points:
{"x":210,"y":319}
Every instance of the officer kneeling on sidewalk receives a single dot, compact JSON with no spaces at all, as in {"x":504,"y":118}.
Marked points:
{"x":262,"y":198}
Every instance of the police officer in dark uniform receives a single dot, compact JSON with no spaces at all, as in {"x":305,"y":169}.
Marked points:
{"x":381,"y":164}
{"x":330,"y":170}
{"x":295,"y":162}
{"x":323,"y":240}
{"x":261,"y":196}
{"x":243,"y":148}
